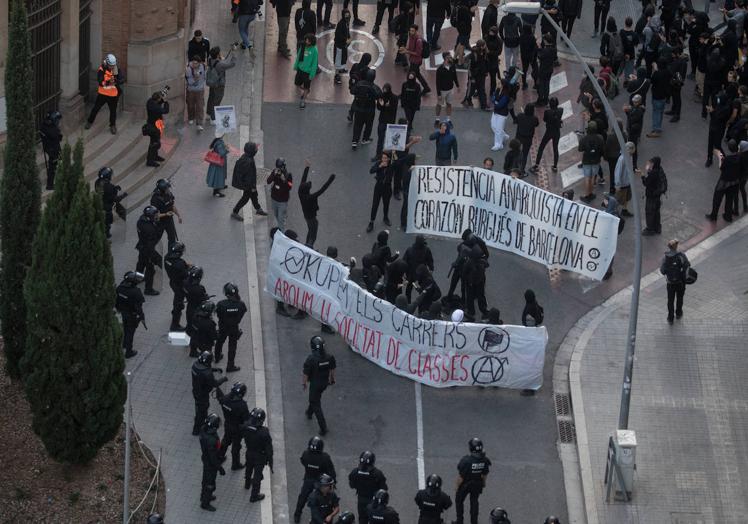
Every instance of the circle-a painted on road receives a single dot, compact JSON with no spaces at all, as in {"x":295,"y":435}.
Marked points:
{"x":493,"y":340}
{"x":366,"y":44}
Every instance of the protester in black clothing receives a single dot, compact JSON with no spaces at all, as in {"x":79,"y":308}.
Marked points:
{"x":654,"y":183}
{"x":436,"y":12}
{"x":478,"y":69}
{"x":634,"y":123}
{"x":387,"y":105}
{"x":309,"y":205}
{"x":601,"y":15}
{"x":198,"y":46}
{"x":714,"y":79}
{"x":365,"y":96}
{"x":474,"y":274}
{"x":553,"y":119}
{"x":528,"y":52}
{"x":305,"y":22}
{"x":156,"y":108}
{"x":383,"y":172}
{"x":532,"y":309}
{"x":727,"y":185}
{"x":324,"y":22}
{"x":675,"y":266}
{"x":51,"y":136}
{"x":341,"y":41}
{"x":427,"y":288}
{"x":719,"y":114}
{"x":389,"y":5}
{"x":526,"y":124}
{"x":244,"y":178}
{"x":381,"y":251}
{"x":678,"y":69}
{"x":638,"y":84}
{"x":494,"y":48}
{"x":417,"y":254}
{"x":358,"y":72}
{"x":547,"y":57}
{"x":410,"y":97}
{"x":570,"y":10}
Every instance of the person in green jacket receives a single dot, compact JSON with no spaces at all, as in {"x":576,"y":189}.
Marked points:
{"x":306,"y":66}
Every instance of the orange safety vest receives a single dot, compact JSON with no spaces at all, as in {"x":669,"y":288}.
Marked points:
{"x":160,"y":125}
{"x":104,"y":87}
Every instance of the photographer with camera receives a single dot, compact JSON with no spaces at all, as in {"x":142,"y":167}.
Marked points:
{"x":155,"y":108}
{"x":216,"y":77}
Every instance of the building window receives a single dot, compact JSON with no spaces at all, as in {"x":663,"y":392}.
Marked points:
{"x":44,"y":27}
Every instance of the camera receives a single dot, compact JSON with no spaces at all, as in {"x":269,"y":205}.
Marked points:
{"x":165,"y":91}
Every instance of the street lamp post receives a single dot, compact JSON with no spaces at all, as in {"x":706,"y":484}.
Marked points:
{"x":535,"y":8}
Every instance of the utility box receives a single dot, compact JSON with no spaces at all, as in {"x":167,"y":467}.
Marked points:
{"x":625,"y":442}
{"x":179,"y":338}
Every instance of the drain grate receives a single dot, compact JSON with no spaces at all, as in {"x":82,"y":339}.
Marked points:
{"x":567,"y":431}
{"x":563,"y":404}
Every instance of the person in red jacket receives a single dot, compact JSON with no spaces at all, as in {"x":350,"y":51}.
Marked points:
{"x":281,"y":182}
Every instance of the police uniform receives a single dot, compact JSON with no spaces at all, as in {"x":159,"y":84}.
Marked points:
{"x":155,"y":111}
{"x":432,"y":503}
{"x":210,"y":445}
{"x":203,"y":382}
{"x":164,"y":202}
{"x":195,"y":294}
{"x":317,"y":368}
{"x":129,"y":304}
{"x":315,"y":464}
{"x":382,"y":515}
{"x":109,"y":197}
{"x":472,"y":469}
{"x":259,"y":452}
{"x":176,"y":268}
{"x":51,"y":137}
{"x":322,"y":506}
{"x":203,"y":333}
{"x":148,"y":236}
{"x":366,"y":482}
{"x":229,"y":312}
{"x":235,"y":413}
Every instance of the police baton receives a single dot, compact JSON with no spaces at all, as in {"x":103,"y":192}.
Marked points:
{"x":142,"y":321}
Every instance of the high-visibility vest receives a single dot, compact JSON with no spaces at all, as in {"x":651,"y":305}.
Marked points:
{"x":160,"y":124}
{"x":104,"y":87}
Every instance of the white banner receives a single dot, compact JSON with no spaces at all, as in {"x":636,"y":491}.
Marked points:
{"x":435,"y":353}
{"x":512,"y":215}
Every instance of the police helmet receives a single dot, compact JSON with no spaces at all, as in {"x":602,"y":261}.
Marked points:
{"x":53,"y":116}
{"x":317,"y":343}
{"x":150,"y":212}
{"x":110,"y":60}
{"x":239,"y":389}
{"x":367,"y":458}
{"x":326,"y":480}
{"x":155,"y":518}
{"x":433,"y":482}
{"x":213,"y":421}
{"x":133,"y":277}
{"x":476,"y":445}
{"x":316,"y":444}
{"x":105,"y":173}
{"x":208,"y":307}
{"x":257,"y":416}
{"x":206,"y":357}
{"x":230,"y":289}
{"x":195,"y":273}
{"x":499,"y":516}
{"x":346,"y":517}
{"x":162,"y":184}
{"x":551,"y":519}
{"x":381,"y":498}
{"x":177,"y":248}
{"x":280,"y":163}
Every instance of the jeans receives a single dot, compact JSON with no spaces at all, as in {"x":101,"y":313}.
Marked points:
{"x":215,"y":95}
{"x":658,"y":108}
{"x":511,"y":54}
{"x":244,"y":25}
{"x":283,"y":22}
{"x":279,"y":212}
{"x":433,"y":30}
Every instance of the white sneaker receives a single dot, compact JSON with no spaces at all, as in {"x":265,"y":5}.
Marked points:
{"x":190,"y":122}
{"x":496,"y":148}
{"x":212,"y":122}
{"x":199,"y":127}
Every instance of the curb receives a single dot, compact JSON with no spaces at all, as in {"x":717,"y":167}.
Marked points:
{"x":577,"y":466}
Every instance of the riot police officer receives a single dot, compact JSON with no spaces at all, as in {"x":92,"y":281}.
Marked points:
{"x":203,"y":382}
{"x":155,"y":518}
{"x":259,"y":452}
{"x":210,"y":445}
{"x":346,"y":517}
{"x":315,"y":462}
{"x":195,"y":294}
{"x":129,"y":304}
{"x":379,"y":511}
{"x":230,"y":312}
{"x":51,"y":136}
{"x":500,"y":516}
{"x":203,"y":329}
{"x":110,"y":196}
{"x":472,"y":469}
{"x":148,"y":236}
{"x":177,"y":269}
{"x":318,"y":373}
{"x":366,"y":479}
{"x":324,"y":502}
{"x":432,"y":501}
{"x":235,"y":413}
{"x":163,"y":199}
{"x":156,"y":107}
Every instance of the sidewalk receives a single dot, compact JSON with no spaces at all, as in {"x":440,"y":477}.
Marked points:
{"x":689,"y":398}
{"x":581,"y":33}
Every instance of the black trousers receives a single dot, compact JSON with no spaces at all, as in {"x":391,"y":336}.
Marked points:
{"x":652,"y":213}
{"x":362,"y":121}
{"x":108,"y":220}
{"x":154,"y":145}
{"x":215,"y":95}
{"x":315,"y":405}
{"x":102,"y":100}
{"x":208,"y":485}
{"x":383,"y":193}
{"x":467,"y":489}
{"x":201,"y":413}
{"x":381,"y":130}
{"x":453,"y":281}
{"x":416,"y":69}
{"x":177,"y":305}
{"x":232,"y":437}
{"x":493,"y":73}
{"x":612,"y":178}
{"x":476,"y":292}
{"x":410,"y":115}
{"x":544,"y":85}
{"x":168,"y":226}
{"x":675,"y":294}
{"x":635,"y":154}
{"x":601,"y":17}
{"x":404,"y":209}
{"x":307,"y":486}
{"x":567,"y":24}
{"x":312,"y":225}
{"x":52,"y":169}
{"x":145,"y":265}
{"x":381,"y":7}
{"x":355,"y":8}
{"x":253,"y":474}
{"x":247,"y":195}
{"x":677,"y":102}
{"x":232,"y":333}
{"x":741,"y":187}
{"x":714,"y":141}
{"x":328,"y":6}
{"x":363,"y":513}
{"x":548,"y":137}
{"x":130,"y":323}
{"x":477,"y":87}
{"x":730,"y":195}
{"x":526,"y":142}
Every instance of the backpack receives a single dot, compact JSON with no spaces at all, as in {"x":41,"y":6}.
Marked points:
{"x":674,"y":269}
{"x":212,"y":78}
{"x":639,"y":28}
{"x":661,"y":183}
{"x":426,"y":49}
{"x":616,"y":46}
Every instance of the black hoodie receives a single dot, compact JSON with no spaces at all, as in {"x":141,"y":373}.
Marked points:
{"x":245,"y":171}
{"x":309,"y":205}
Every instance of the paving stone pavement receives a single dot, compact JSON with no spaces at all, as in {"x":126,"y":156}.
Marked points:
{"x":689,"y":399}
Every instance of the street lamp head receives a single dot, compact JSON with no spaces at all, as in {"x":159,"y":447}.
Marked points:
{"x":522,"y":8}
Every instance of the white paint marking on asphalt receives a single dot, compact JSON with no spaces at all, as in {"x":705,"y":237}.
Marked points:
{"x":571,"y":175}
{"x":568,"y":142}
{"x":568,"y":110}
{"x":419,"y":438}
{"x":558,"y":81}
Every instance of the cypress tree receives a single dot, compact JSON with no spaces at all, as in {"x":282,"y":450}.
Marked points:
{"x":73,"y":364}
{"x":20,"y":188}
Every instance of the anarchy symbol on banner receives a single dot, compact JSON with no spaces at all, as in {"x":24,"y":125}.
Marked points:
{"x":355,"y":49}
{"x":488,"y":369}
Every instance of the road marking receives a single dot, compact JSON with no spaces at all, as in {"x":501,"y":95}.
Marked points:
{"x":558,"y":81}
{"x":571,"y":175}
{"x":568,"y":111}
{"x":568,"y":142}
{"x":419,"y":438}
{"x":354,"y":51}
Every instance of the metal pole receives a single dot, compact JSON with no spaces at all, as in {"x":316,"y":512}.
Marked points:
{"x":628,"y":371}
{"x":126,"y":497}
